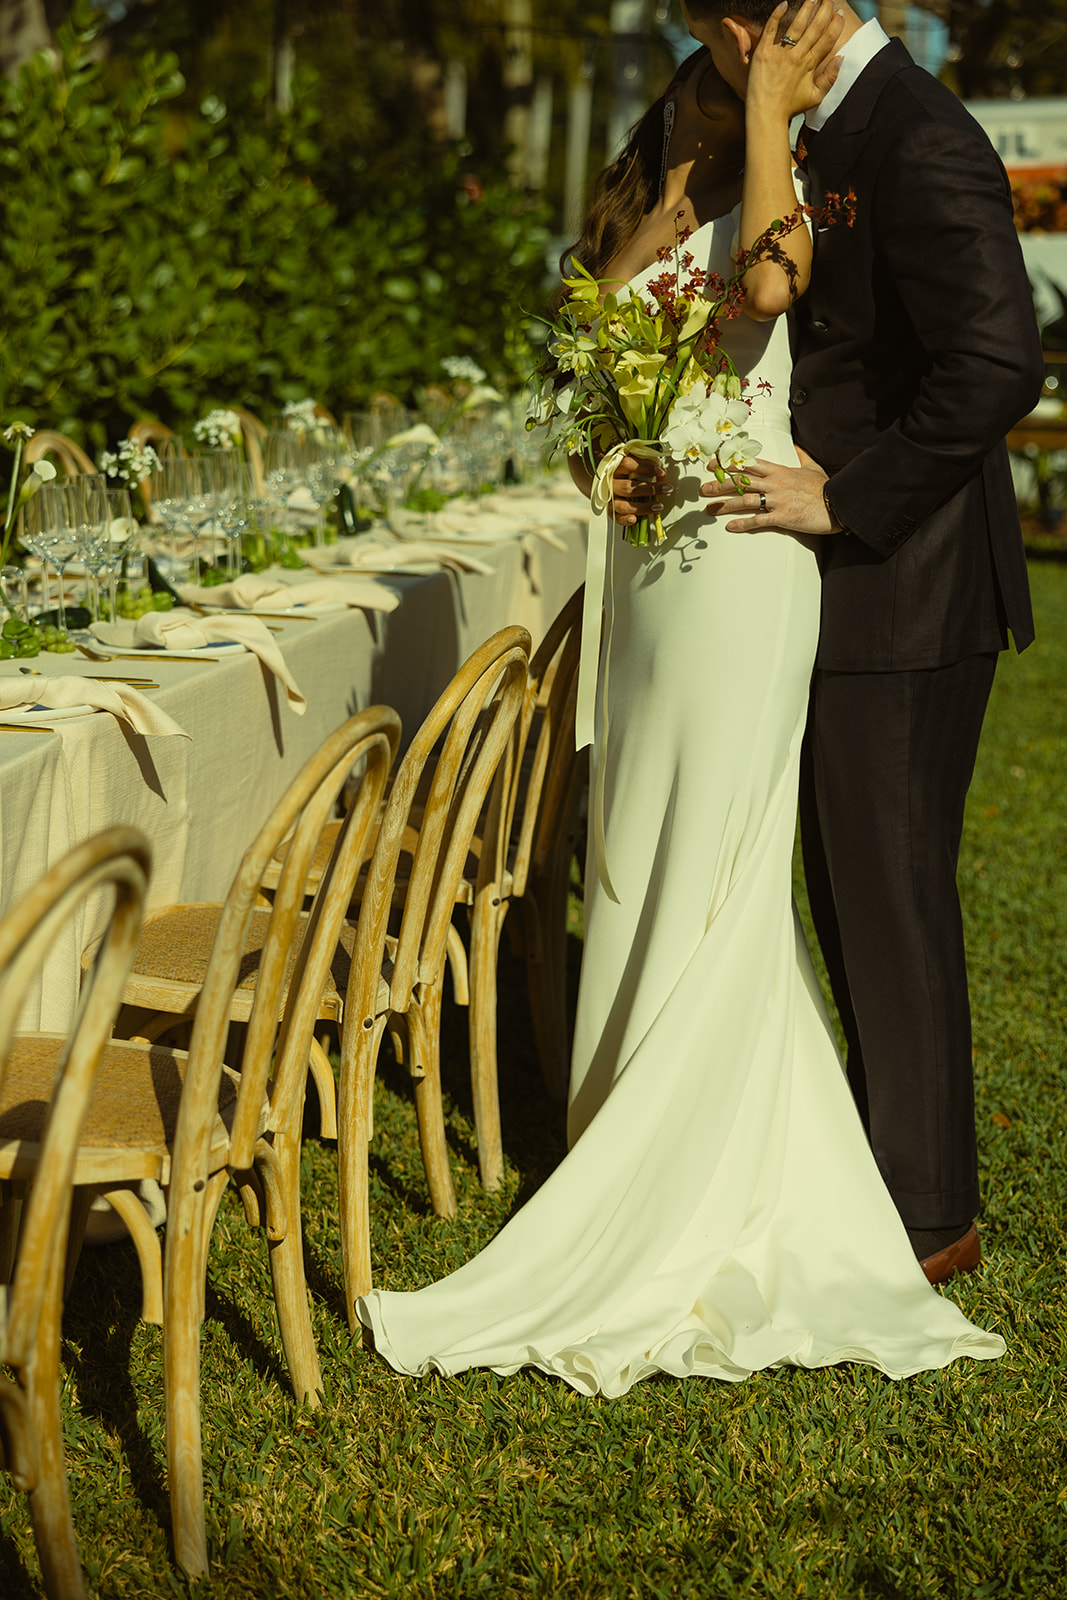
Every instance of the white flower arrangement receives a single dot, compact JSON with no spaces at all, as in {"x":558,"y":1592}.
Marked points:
{"x":463,"y":369}
{"x":300,"y":415}
{"x":219,"y":430}
{"x":711,"y":427}
{"x":130,"y":463}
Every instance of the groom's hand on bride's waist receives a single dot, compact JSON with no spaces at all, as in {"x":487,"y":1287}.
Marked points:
{"x":793,"y":498}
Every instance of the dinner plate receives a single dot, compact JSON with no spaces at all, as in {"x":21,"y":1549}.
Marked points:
{"x":322,"y":608}
{"x":336,"y":567}
{"x":203,"y":652}
{"x":40,"y":713}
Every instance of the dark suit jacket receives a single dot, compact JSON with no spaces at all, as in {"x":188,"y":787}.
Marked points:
{"x":916,"y":350}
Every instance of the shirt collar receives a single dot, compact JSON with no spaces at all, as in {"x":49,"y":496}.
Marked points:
{"x":861,"y":49}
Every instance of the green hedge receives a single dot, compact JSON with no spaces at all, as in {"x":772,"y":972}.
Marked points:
{"x":151,"y":266}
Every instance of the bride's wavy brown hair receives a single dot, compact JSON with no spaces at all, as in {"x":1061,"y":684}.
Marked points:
{"x":626,"y":190}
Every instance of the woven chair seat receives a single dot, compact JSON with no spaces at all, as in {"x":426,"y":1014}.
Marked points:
{"x":132,"y":1114}
{"x":171,"y":963}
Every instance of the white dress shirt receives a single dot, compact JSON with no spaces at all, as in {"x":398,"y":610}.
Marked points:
{"x":862,"y":48}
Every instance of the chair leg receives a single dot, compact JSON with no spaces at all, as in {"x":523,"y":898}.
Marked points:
{"x":290,"y":1286}
{"x":325,"y":1088}
{"x":53,"y":1525}
{"x":354,"y":1103}
{"x":183,"y":1293}
{"x":486,"y":926}
{"x":11,"y":1198}
{"x":424,"y":1028}
{"x":80,"y":1206}
{"x":146,"y":1242}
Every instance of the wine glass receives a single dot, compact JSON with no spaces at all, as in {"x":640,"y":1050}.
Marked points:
{"x":55,"y":539}
{"x":169,"y":487}
{"x":16,"y":590}
{"x":30,"y":530}
{"x":87,"y":510}
{"x":234,"y":505}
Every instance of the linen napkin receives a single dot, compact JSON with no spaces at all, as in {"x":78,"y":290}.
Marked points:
{"x":124,"y":702}
{"x":370,"y":553}
{"x":471,"y":522}
{"x":254,"y":591}
{"x":184,"y":630}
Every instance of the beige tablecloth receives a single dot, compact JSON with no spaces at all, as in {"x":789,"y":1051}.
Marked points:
{"x":201,"y":801}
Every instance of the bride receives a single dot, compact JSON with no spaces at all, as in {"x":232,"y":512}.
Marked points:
{"x":719,"y":1211}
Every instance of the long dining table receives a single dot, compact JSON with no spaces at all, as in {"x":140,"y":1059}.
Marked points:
{"x":201,"y":800}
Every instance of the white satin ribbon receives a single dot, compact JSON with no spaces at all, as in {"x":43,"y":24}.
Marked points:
{"x":590,"y":673}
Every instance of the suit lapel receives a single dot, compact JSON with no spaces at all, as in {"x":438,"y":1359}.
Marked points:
{"x":845,"y":133}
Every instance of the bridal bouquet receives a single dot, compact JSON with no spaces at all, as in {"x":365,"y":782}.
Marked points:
{"x":644,"y":373}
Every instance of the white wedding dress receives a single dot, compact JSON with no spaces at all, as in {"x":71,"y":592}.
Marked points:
{"x":719,"y":1211}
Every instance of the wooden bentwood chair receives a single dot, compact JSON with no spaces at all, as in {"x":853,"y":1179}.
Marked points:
{"x":532,"y":872}
{"x":46,"y":1083}
{"x":191,"y":1123}
{"x":404,"y":932}
{"x":528,"y":866}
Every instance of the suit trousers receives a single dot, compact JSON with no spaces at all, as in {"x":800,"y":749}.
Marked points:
{"x":887,"y":762}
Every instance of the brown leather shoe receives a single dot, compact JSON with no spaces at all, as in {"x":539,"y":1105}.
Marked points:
{"x":962,"y":1256}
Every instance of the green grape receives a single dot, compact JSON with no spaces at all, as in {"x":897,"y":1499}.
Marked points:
{"x":162,"y":601}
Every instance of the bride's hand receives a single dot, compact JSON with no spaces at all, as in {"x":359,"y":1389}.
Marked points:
{"x":638,"y":489}
{"x":794,"y":76}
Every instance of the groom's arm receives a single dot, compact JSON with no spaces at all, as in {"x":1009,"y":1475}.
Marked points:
{"x":943,"y":225}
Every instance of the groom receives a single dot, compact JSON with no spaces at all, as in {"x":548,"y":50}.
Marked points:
{"x":916,"y":351}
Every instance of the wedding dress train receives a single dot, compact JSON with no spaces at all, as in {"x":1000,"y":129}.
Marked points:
{"x":719,"y":1211}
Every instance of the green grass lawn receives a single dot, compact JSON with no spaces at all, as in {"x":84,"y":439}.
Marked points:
{"x":826,"y":1484}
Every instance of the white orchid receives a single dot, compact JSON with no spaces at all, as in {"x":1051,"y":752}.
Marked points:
{"x":738,"y":452}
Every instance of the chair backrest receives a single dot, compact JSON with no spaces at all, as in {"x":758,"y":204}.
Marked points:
{"x":71,"y":457}
{"x":545,"y":774}
{"x":372,"y":738}
{"x":118,"y":860}
{"x":254,"y":433}
{"x":475,"y":717}
{"x":151,"y":433}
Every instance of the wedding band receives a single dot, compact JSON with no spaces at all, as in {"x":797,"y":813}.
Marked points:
{"x":762,"y":501}
{"x":786,"y":42}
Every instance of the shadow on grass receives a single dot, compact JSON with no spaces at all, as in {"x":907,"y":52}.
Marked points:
{"x":105,"y":1389}
{"x":245,"y":1339}
{"x":15,"y":1582}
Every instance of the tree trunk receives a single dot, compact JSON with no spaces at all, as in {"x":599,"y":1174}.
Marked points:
{"x":23,"y":31}
{"x":518,"y":83}
{"x":579,"y":118}
{"x":629,"y":25}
